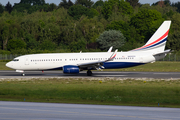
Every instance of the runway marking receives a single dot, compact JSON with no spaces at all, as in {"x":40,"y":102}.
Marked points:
{"x":110,"y":75}
{"x":125,"y":116}
{"x":19,"y":118}
{"x":8,"y":119}
{"x":7,"y":113}
{"x":167,"y":73}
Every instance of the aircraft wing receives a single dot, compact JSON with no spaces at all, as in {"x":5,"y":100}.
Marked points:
{"x":97,"y":64}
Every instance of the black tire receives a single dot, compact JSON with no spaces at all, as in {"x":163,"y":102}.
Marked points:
{"x":89,"y":73}
{"x":23,"y":74}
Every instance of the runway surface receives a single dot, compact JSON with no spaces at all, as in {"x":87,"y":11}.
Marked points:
{"x":46,"y":74}
{"x":55,"y":111}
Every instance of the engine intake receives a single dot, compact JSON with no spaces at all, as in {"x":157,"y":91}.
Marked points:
{"x":71,"y":69}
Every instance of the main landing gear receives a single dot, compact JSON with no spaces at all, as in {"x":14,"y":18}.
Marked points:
{"x":89,"y":73}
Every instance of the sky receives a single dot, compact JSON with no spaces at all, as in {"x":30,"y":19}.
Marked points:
{"x":4,"y":2}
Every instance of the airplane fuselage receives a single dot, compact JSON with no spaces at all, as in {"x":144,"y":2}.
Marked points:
{"x":58,"y":60}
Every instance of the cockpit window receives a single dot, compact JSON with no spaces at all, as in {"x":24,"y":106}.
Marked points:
{"x":16,"y":60}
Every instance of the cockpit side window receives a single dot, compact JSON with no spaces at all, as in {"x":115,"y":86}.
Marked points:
{"x":16,"y":60}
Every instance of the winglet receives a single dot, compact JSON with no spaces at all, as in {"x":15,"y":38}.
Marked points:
{"x":110,"y":49}
{"x":113,"y":55}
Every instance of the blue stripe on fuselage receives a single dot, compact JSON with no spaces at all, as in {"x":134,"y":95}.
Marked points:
{"x":115,"y":65}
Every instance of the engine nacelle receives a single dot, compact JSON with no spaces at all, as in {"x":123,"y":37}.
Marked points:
{"x":72,"y":69}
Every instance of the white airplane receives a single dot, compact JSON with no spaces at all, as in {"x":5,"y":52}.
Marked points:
{"x":75,"y":62}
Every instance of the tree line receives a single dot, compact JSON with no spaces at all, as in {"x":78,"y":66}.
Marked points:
{"x":33,"y":26}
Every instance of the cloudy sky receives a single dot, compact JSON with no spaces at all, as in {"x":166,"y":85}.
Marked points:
{"x":4,"y":2}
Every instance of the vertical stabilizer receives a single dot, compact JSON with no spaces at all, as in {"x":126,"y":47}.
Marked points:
{"x":158,"y":41}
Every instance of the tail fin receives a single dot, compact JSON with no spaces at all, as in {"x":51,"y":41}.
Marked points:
{"x":158,"y":41}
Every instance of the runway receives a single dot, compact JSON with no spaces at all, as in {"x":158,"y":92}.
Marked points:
{"x":101,"y":74}
{"x":55,"y":111}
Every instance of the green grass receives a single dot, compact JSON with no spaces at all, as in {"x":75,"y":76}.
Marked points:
{"x":153,"y":67}
{"x":3,"y":66}
{"x":86,"y":91}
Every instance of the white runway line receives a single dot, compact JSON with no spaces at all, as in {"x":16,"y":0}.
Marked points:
{"x":111,"y":75}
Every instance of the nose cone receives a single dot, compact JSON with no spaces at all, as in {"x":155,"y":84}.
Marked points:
{"x":9,"y":64}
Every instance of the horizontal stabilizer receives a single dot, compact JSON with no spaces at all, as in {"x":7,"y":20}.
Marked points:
{"x":165,"y":52}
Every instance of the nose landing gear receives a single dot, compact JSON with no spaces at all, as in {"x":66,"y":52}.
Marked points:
{"x":21,"y":71}
{"x":23,"y":74}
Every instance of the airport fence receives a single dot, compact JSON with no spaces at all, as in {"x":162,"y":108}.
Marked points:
{"x":169,"y":57}
{"x":8,"y":56}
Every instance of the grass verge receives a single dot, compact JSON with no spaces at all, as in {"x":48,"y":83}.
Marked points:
{"x":93,"y":91}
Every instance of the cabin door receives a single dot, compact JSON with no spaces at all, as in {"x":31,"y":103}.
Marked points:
{"x":26,"y":61}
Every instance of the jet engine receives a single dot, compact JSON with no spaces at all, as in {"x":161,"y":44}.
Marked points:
{"x":72,"y":69}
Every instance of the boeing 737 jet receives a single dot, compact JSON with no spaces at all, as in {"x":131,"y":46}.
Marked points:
{"x":153,"y":50}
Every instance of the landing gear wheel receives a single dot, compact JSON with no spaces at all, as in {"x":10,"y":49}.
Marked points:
{"x":89,"y":73}
{"x":23,"y":74}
